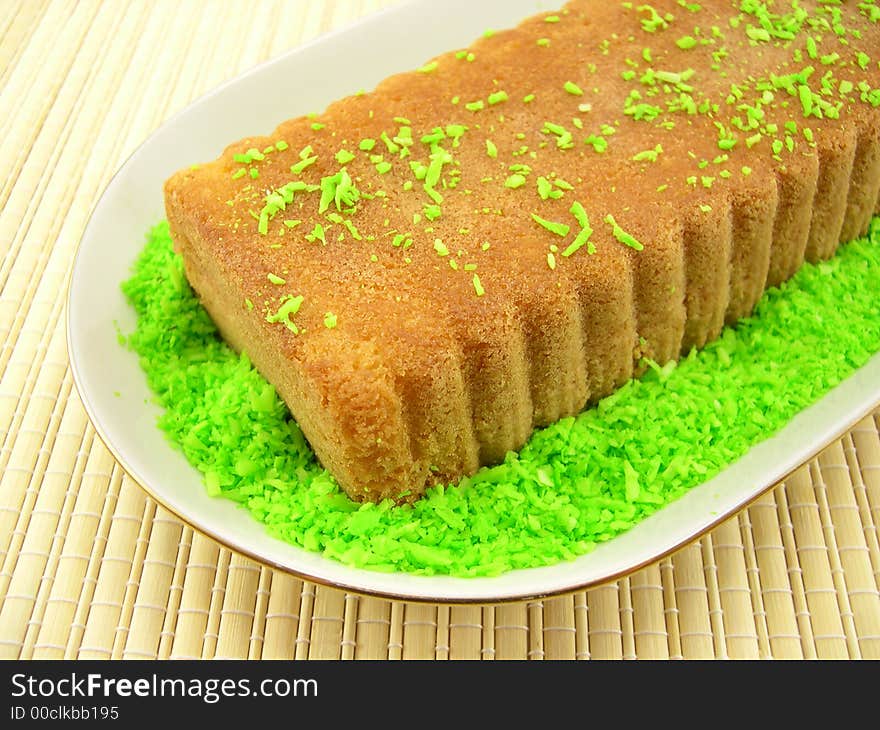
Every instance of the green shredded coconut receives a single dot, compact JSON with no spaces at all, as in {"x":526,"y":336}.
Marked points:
{"x":575,"y":484}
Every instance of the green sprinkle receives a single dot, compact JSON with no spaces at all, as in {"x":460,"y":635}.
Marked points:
{"x":317,"y":234}
{"x":475,"y":106}
{"x":297,"y":168}
{"x":560,"y":229}
{"x":330,"y":320}
{"x":428,"y":67}
{"x":440,"y":247}
{"x":432,"y":212}
{"x":240,"y":172}
{"x":648,"y":155}
{"x":478,"y":286}
{"x":289,"y":306}
{"x":343,"y":157}
{"x":599,"y":143}
{"x":390,"y":144}
{"x":528,"y":98}
{"x":573,"y":88}
{"x":544,"y":42}
{"x":546,"y":189}
{"x":317,"y":126}
{"x":580,"y":215}
{"x":455,"y":131}
{"x":515,"y":181}
{"x":686,"y":42}
{"x":621,"y":235}
{"x":551,"y":19}
{"x":276,"y":279}
{"x":383,"y":166}
{"x":655,"y":21}
{"x":366,"y":145}
{"x":491,"y":149}
{"x":497,"y":97}
{"x":583,"y":237}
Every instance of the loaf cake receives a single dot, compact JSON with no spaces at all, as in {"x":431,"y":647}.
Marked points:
{"x":429,"y":271}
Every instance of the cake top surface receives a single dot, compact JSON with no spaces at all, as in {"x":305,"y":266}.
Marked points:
{"x":510,"y":172}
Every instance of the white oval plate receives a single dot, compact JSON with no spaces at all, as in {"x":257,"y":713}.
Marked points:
{"x":299,"y":82}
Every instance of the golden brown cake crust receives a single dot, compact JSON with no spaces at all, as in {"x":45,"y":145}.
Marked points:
{"x":426,"y":346}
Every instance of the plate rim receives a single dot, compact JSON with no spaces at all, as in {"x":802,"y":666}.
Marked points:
{"x":853,"y":417}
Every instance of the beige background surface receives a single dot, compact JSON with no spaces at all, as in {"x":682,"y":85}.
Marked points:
{"x":90,"y":567}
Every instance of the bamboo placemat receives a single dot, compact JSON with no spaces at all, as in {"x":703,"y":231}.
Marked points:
{"x":90,"y":567}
